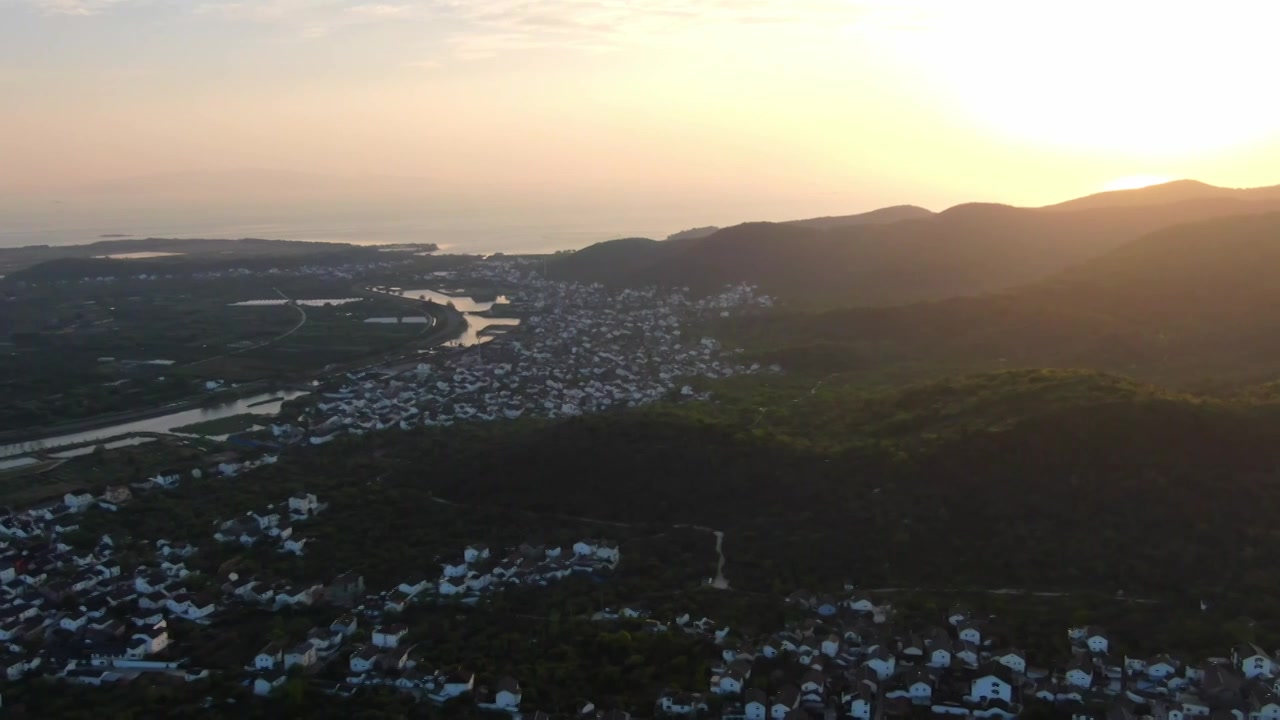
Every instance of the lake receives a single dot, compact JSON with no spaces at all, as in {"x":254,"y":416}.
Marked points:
{"x":160,"y":424}
{"x":137,"y":255}
{"x":409,"y":320}
{"x":460,"y":302}
{"x":468,"y":307}
{"x":308,"y":303}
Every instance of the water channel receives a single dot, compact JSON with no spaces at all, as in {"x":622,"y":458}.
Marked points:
{"x":11,"y":455}
{"x":255,"y":404}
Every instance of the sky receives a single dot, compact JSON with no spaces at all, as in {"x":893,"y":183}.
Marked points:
{"x":684,"y":110}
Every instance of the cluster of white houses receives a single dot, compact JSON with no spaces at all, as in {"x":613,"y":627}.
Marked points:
{"x":848,"y":660}
{"x":75,"y":614}
{"x":582,"y":349}
{"x":273,"y":524}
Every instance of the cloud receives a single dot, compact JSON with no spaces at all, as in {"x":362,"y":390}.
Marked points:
{"x":78,"y":7}
{"x":491,"y":27}
{"x":381,"y":10}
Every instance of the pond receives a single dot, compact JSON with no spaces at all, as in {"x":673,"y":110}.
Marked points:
{"x":309,"y":303}
{"x":160,"y":424}
{"x":136,"y":255}
{"x":475,"y":324}
{"x":460,"y":302}
{"x":408,"y":320}
{"x":472,"y":334}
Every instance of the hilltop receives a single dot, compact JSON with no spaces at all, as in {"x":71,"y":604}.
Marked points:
{"x":1164,"y":193}
{"x":906,"y":254}
{"x":883,"y":215}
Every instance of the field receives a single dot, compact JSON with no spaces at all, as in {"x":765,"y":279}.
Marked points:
{"x":77,"y":350}
{"x":33,"y":483}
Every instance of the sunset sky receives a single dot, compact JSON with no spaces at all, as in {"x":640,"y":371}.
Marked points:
{"x":783,"y":107}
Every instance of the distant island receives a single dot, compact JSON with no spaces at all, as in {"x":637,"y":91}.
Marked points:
{"x":120,"y":247}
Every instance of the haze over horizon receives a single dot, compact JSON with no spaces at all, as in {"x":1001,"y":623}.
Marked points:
{"x":574,"y":120}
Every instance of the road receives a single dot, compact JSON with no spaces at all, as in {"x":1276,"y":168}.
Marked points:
{"x":719,"y":582}
{"x":302,"y":320}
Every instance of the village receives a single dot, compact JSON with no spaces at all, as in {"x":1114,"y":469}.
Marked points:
{"x":90,"y":616}
{"x":83,"y":616}
{"x":580,"y":349}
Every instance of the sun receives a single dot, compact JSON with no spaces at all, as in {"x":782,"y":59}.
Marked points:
{"x":1133,"y":182}
{"x":1105,"y":78}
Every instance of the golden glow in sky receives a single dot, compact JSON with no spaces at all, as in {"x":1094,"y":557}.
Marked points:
{"x":722,"y":109}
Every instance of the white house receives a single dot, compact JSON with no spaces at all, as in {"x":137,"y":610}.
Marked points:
{"x":861,"y":603}
{"x":303,"y":504}
{"x":881,"y":662}
{"x":1252,"y":660}
{"x":507,"y":696}
{"x":990,"y":686}
{"x":15,"y":668}
{"x":303,"y":654}
{"x":1013,"y":659}
{"x":1080,"y":673}
{"x":970,"y":632}
{"x":454,"y":569}
{"x":453,"y":586}
{"x":267,"y":683}
{"x":860,"y":705}
{"x":1161,"y":667}
{"x":269,"y":657}
{"x":155,"y":638}
{"x":756,"y":706}
{"x":78,"y":501}
{"x":73,"y":621}
{"x":1095,"y":639}
{"x":364,"y":661}
{"x":389,"y":636}
{"x":585,"y":548}
{"x":475,"y":553}
{"x":413,"y":586}
{"x":831,"y":646}
{"x":457,"y":683}
{"x":608,"y":551}
{"x":346,"y":625}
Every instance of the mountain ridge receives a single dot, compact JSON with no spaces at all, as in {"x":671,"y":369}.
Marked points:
{"x":967,"y":249}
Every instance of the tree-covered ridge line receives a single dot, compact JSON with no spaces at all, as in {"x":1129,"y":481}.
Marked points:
{"x":1190,"y":305}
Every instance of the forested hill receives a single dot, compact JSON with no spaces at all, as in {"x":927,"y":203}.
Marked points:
{"x":1020,"y":479}
{"x":1182,"y":305}
{"x":965,"y":250}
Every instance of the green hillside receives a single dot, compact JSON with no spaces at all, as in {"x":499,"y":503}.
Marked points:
{"x":1190,"y":304}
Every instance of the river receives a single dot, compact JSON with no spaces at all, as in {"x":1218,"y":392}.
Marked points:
{"x":254,"y":404}
{"x":468,"y":307}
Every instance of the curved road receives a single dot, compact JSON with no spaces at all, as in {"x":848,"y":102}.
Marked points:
{"x":720,"y":582}
{"x":302,"y":320}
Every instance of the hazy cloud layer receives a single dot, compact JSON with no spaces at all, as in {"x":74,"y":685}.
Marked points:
{"x":485,"y":27}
